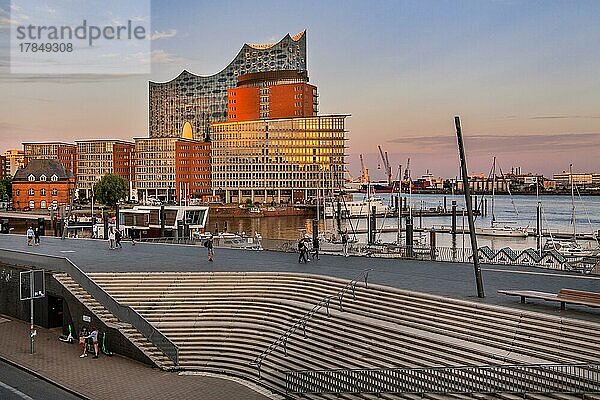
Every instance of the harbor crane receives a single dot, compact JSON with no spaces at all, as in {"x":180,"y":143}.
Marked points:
{"x":407,"y":170}
{"x":350,"y":175}
{"x":386,"y":165}
{"x":364,"y":178}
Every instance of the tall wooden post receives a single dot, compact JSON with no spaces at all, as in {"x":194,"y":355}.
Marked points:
{"x":467,"y":191}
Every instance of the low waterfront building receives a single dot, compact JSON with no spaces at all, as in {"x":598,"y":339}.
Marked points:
{"x":64,"y":152}
{"x":98,"y":157}
{"x":282,"y":160}
{"x":581,"y":180}
{"x":172,"y":169}
{"x":42,"y":183}
{"x":142,"y":222}
{"x":14,"y":159}
{"x":481,"y":184}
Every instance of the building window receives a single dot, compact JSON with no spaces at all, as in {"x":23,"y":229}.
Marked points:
{"x":43,"y":204}
{"x":54,"y":192}
{"x":43,"y":192}
{"x":43,"y":178}
{"x":31,"y":191}
{"x":31,"y":204}
{"x":31,"y":178}
{"x":54,"y":178}
{"x":18,"y":192}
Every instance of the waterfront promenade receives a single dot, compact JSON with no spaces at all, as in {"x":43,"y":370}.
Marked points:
{"x":441,"y":278}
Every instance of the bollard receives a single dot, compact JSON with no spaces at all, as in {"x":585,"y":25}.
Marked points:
{"x":409,"y":237}
{"x":162,"y":220}
{"x":453,"y":231}
{"x":338,"y":216}
{"x":432,"y":244}
{"x":373,"y":230}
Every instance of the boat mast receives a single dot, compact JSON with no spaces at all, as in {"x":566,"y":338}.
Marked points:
{"x":399,"y":199}
{"x":493,"y":190}
{"x":572,"y":201}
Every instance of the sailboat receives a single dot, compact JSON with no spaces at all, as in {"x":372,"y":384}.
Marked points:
{"x":495,"y":228}
{"x":570,"y":248}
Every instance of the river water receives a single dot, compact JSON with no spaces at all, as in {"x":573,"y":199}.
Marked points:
{"x":514,"y":210}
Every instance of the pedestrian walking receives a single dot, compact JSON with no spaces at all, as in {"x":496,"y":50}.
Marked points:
{"x":30,"y":236}
{"x":306,"y":249}
{"x":111,"y":238}
{"x":315,"y":246}
{"x":118,"y":238}
{"x":208,"y":243}
{"x":302,"y":250}
{"x":345,"y":243}
{"x":95,"y":231}
{"x":36,"y":237}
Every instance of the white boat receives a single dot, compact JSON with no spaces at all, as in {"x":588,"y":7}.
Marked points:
{"x":232,"y":240}
{"x":359,"y":209}
{"x":570,"y":248}
{"x":495,"y":229}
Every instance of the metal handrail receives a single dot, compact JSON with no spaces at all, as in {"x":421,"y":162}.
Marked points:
{"x":123,"y":312}
{"x":523,"y":378}
{"x":302,"y":321}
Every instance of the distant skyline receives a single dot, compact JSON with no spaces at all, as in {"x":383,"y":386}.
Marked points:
{"x":523,"y":76}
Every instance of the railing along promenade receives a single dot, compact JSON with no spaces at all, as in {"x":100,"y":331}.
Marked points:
{"x":517,"y":379}
{"x":303,"y":320}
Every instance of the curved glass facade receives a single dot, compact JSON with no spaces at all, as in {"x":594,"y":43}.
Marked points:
{"x":201,"y":100}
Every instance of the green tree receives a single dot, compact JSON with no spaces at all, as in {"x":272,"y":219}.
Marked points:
{"x":6,"y":187}
{"x":110,"y":189}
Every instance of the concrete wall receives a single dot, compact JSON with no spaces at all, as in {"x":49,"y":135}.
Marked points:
{"x":73,"y":311}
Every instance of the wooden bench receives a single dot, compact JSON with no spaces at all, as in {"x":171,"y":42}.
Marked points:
{"x":564,"y":296}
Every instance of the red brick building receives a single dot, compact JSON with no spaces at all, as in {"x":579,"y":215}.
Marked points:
{"x":172,"y":169}
{"x":272,"y":95}
{"x":192,"y":172}
{"x":42,"y":183}
{"x":123,"y":154}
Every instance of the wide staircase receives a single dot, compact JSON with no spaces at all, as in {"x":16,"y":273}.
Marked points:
{"x":222,"y":322}
{"x":128,"y":331}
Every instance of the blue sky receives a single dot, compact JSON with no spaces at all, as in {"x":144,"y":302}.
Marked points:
{"x":523,"y":75}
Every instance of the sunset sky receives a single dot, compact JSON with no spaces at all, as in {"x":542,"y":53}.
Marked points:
{"x":523,"y":75}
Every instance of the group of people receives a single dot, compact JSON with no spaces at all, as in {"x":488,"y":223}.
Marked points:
{"x":114,"y":238}
{"x":88,"y":335}
{"x":304,"y":250}
{"x":33,"y":236}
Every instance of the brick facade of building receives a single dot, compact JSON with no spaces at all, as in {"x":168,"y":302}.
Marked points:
{"x":42,"y":183}
{"x":192,"y":174}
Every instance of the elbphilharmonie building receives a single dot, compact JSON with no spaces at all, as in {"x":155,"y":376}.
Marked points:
{"x":201,"y":100}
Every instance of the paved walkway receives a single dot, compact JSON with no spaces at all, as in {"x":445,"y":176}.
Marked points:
{"x":441,"y":278}
{"x":108,"y":378}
